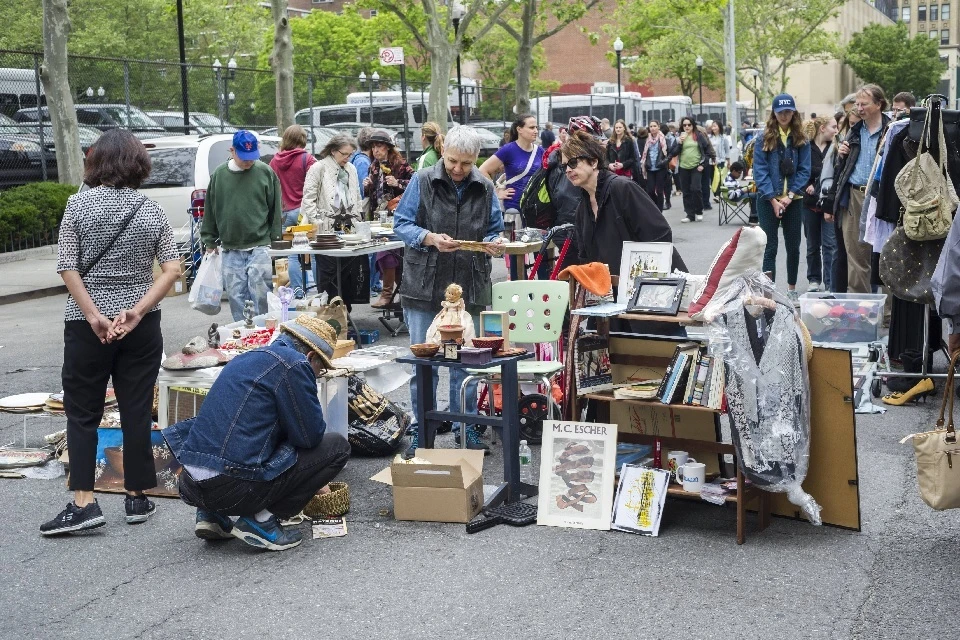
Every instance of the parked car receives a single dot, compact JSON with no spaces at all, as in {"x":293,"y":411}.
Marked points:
{"x":489,"y":141}
{"x":317,"y":137}
{"x":201,"y":123}
{"x":103,"y":117}
{"x":8,"y":126}
{"x":181,"y":172}
{"x":20,"y":161}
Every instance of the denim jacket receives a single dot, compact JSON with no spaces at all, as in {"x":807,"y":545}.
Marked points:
{"x":261,"y":409}
{"x":766,"y":168}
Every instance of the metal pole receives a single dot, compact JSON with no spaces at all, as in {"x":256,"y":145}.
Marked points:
{"x":730,"y":62}
{"x":591,"y":104}
{"x":40,"y":127}
{"x":403,"y":102}
{"x":226,"y":101}
{"x":219,"y":96}
{"x":183,"y":68}
{"x":370,"y":88}
{"x":550,"y":106}
{"x":619,"y":98}
{"x":456,"y":28}
{"x":700,"y":82}
{"x":126,"y":89}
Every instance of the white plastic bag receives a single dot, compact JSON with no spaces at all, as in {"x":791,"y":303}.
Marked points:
{"x":207,"y":287}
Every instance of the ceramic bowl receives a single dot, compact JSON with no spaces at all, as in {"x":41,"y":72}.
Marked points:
{"x":451,"y":331}
{"x":425,"y":350}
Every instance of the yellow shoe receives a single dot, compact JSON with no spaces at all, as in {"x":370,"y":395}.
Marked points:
{"x":922,"y":389}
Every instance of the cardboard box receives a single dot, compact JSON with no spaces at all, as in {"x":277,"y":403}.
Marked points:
{"x":179,"y":286}
{"x":343,"y":348}
{"x":448,"y":490}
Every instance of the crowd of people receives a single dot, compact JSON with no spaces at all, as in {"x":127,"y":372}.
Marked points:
{"x":258,"y":450}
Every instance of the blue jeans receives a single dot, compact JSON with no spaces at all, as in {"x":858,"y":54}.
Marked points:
{"x":821,"y":245}
{"x":418,"y":322}
{"x":296,"y":273}
{"x":247,"y":275}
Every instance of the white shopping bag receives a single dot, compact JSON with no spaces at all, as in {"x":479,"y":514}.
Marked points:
{"x":207,"y":287}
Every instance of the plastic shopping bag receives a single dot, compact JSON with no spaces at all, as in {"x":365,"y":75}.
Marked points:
{"x":207,"y":287}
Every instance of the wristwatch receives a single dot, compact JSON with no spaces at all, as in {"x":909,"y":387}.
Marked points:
{"x":791,"y":195}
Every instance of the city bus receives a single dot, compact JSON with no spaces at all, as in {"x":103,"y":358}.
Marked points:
{"x":633,"y":107}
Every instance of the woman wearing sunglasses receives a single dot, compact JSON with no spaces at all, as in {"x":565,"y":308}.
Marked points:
{"x":613,"y":209}
{"x":695,"y":151}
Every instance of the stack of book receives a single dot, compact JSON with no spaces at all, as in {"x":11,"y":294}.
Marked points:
{"x":692,"y":378}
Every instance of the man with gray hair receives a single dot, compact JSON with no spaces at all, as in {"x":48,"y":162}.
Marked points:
{"x":443,"y":205}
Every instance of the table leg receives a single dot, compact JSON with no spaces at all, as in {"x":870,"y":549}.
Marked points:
{"x":303,"y":274}
{"x":741,"y":508}
{"x":511,"y":430}
{"x":425,"y":402}
{"x":163,"y":401}
{"x":350,"y":321}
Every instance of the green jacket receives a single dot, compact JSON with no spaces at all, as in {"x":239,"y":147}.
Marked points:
{"x":243,"y":209}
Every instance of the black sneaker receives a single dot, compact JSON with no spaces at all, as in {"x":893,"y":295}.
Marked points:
{"x":138,"y":508}
{"x":73,"y":518}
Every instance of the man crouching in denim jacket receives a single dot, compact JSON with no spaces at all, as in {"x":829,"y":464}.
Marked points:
{"x":257,"y":449}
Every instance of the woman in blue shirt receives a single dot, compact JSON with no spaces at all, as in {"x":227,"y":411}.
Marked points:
{"x":781,"y":170}
{"x":519,"y":160}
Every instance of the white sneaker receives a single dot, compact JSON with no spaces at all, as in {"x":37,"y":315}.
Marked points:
{"x":814,"y":287}
{"x":685,"y":220}
{"x":794,"y":297}
{"x":700,"y":218}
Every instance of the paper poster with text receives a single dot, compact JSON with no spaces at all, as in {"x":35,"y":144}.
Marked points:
{"x":577,"y":468}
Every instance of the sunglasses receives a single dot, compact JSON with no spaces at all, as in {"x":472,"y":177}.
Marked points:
{"x":687,"y":124}
{"x":573,"y":162}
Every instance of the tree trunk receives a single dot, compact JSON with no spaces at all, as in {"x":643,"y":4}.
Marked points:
{"x":56,"y":88}
{"x":282,"y":63}
{"x":441,"y":61}
{"x":525,"y":57}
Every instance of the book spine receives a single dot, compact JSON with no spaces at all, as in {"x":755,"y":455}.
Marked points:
{"x":676,"y":397}
{"x":716,"y":387}
{"x":692,"y":378}
{"x":674,"y":376}
{"x":667,"y":373}
{"x":703,"y":376}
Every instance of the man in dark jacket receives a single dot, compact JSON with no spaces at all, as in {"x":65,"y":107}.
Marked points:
{"x":258,"y":448}
{"x":855,"y":156}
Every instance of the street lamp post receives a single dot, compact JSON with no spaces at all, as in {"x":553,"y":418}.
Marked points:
{"x":618,"y":48}
{"x":755,"y":106}
{"x":456,"y":13}
{"x":363,"y":82}
{"x":89,"y":93}
{"x":700,"y":82}
{"x":101,"y":95}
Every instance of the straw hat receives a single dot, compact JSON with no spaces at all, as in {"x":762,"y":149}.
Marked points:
{"x":317,"y":334}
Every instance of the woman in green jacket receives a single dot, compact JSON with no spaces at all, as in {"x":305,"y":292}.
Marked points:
{"x":432,"y":140}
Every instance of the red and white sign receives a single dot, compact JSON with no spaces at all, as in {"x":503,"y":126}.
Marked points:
{"x":391,"y":56}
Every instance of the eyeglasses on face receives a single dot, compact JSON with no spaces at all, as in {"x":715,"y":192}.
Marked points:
{"x":687,"y":124}
{"x":573,"y":162}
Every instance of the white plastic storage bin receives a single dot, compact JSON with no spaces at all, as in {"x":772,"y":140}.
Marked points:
{"x":842,"y":317}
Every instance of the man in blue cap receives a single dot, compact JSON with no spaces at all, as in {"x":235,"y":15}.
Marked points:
{"x":243,"y":212}
{"x":259,"y":449}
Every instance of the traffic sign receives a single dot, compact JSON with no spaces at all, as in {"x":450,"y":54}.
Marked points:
{"x":391,"y":56}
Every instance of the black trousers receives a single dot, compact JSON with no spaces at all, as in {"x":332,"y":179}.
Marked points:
{"x":87,"y":366}
{"x":658,"y":187}
{"x":706,"y":183}
{"x":690,"y":181}
{"x":285,"y":496}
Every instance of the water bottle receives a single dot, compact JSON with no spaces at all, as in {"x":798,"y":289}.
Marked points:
{"x":526,"y":463}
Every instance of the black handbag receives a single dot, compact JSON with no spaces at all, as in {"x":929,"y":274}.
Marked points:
{"x":376,"y":425}
{"x":907,"y":266}
{"x":951,"y":124}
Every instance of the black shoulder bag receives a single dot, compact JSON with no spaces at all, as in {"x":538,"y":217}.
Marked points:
{"x":123,"y":225}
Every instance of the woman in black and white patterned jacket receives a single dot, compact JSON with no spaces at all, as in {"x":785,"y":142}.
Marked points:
{"x":110,"y":237}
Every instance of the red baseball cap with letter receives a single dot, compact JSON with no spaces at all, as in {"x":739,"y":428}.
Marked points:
{"x":246,"y":145}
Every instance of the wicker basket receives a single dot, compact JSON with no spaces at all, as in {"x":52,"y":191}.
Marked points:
{"x":330,"y":505}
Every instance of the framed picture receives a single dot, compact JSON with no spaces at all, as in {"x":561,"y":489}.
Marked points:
{"x":577,"y":466}
{"x":659,"y":296}
{"x":642,"y":259}
{"x":495,"y":324}
{"x":640,"y":499}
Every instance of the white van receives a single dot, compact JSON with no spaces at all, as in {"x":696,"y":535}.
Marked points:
{"x":387,"y":110}
{"x":18,"y":90}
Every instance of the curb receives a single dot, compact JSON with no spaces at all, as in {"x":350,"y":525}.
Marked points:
{"x":32,"y":295}
{"x":26,"y":254}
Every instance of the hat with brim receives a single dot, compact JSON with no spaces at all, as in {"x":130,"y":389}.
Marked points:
{"x":246,"y":145}
{"x":317,"y":334}
{"x":784,"y":102}
{"x":382,"y":137}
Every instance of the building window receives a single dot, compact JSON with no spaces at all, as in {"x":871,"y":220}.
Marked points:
{"x":373,"y":13}
{"x":905,"y":14}
{"x":945,"y":11}
{"x":922,"y":12}
{"x":933,"y":12}
{"x":945,"y":36}
{"x":934,"y":34}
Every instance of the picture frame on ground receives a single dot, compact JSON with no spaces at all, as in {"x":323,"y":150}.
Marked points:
{"x":577,"y":469}
{"x":657,"y":296}
{"x":642,"y":259}
{"x":641,"y":495}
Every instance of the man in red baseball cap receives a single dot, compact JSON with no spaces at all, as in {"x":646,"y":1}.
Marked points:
{"x":243,"y":212}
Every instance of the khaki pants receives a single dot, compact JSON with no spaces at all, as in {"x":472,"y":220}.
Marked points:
{"x":858,"y":253}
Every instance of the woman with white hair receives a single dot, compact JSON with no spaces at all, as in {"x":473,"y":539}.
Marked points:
{"x":443,"y":205}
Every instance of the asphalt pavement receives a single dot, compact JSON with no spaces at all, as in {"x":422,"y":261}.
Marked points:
{"x":897,"y":578}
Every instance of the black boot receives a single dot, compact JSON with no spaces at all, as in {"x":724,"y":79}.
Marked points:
{"x":912,"y":363}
